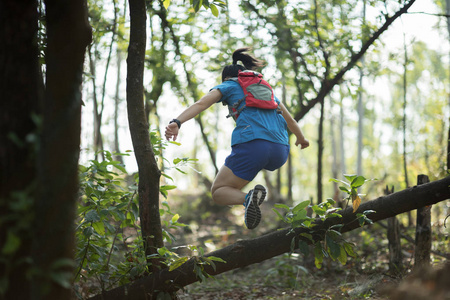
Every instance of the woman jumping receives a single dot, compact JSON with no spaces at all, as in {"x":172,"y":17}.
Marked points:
{"x":259,"y":140}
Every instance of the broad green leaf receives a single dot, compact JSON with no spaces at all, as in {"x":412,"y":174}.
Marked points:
{"x":162,"y":251}
{"x":167,"y":187}
{"x":214,"y":10}
{"x":92,"y":216}
{"x":350,"y":178}
{"x":318,"y":255}
{"x":349,"y":249}
{"x":318,"y":210}
{"x":342,"y":256}
{"x":175,"y":218}
{"x":300,"y":206}
{"x":331,"y":201}
{"x":88,"y":231}
{"x":99,"y":227}
{"x":333,"y":248}
{"x":166,"y":4}
{"x":358,"y":181}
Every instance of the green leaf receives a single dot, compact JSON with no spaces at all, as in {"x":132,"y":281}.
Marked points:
{"x":279,"y":215}
{"x":358,"y":181}
{"x":283,"y":206}
{"x":214,"y":10}
{"x":92,"y":216}
{"x":318,"y":255}
{"x":344,"y":189}
{"x":166,"y":4}
{"x":333,"y":248}
{"x":178,"y":263}
{"x":88,"y":231}
{"x":349,"y":249}
{"x":218,"y":259}
{"x":319,"y":210}
{"x":339,"y":181}
{"x":175,"y":218}
{"x":350,"y":178}
{"x":308,"y":236}
{"x":303,"y":247}
{"x":197,"y":4}
{"x":12,"y":243}
{"x":99,"y":227}
{"x":301,"y":206}
{"x":342,"y":256}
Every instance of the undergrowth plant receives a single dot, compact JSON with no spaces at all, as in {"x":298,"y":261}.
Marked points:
{"x":326,"y":242}
{"x":109,"y":246}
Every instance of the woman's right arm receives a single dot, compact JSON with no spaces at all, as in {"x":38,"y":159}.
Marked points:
{"x":294,"y":128}
{"x":192,"y":111}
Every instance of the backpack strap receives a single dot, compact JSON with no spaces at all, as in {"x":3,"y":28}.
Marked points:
{"x":235,"y":110}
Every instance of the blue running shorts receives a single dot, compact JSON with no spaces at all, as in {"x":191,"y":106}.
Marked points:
{"x":247,"y":159}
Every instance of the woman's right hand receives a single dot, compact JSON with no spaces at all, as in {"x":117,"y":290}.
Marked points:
{"x":172,"y":131}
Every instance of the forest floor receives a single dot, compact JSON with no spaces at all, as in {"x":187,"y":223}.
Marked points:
{"x":272,"y":280}
{"x":294,"y":276}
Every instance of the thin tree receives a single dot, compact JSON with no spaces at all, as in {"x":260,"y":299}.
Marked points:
{"x":447,"y":2}
{"x":360,"y":102}
{"x":149,"y":173}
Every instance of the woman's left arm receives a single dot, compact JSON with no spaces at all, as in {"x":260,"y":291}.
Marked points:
{"x":294,"y":128}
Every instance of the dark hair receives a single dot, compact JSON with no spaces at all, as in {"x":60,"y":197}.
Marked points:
{"x":250,"y":63}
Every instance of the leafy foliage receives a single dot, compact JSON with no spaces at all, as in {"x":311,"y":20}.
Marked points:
{"x":328,"y":243}
{"x":351,"y":188}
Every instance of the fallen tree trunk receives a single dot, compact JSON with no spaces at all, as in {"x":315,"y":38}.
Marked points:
{"x":247,"y":252}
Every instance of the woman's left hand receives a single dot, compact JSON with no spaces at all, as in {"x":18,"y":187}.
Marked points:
{"x":304,"y":143}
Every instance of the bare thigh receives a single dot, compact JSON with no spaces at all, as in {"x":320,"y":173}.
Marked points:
{"x":226,"y":188}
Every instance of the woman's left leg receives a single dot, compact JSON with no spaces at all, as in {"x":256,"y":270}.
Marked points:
{"x":226,"y":188}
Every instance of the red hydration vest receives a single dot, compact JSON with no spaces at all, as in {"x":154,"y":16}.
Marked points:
{"x":257,"y":93}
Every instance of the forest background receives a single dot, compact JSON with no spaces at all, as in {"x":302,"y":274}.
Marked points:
{"x":383,"y":114}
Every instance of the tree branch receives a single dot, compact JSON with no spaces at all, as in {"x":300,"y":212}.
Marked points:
{"x":328,"y":85}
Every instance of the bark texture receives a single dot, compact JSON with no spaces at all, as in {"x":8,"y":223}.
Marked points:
{"x":68,"y":34}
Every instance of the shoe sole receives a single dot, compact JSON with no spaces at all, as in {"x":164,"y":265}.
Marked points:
{"x":252,"y":212}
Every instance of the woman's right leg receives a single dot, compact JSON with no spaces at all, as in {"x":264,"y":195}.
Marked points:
{"x":226,"y":188}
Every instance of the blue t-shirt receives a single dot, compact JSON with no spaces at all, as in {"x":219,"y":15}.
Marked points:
{"x":253,"y":123}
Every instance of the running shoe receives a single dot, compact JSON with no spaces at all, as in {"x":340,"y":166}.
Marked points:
{"x":252,"y":202}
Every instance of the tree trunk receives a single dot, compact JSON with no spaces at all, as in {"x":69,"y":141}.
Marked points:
{"x":342,"y":138}
{"x":405,"y":82}
{"x":247,"y":252}
{"x":149,"y":173}
{"x":68,"y":34}
{"x":359,"y":169}
{"x":21,"y":95}
{"x":395,"y":247}
{"x":423,"y":232}
{"x":447,"y":2}
{"x":116,"y":146}
{"x":320,"y":152}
